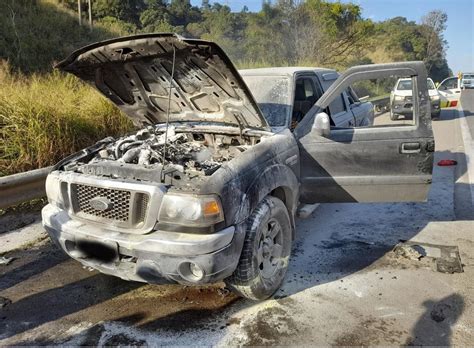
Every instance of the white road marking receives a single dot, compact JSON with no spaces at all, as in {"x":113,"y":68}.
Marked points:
{"x":391,"y":315}
{"x":468,"y":149}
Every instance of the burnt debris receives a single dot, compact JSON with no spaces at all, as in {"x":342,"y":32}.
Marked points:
{"x":188,"y":153}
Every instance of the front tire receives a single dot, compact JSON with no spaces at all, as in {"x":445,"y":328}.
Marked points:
{"x":266,"y":251}
{"x":393,"y":116}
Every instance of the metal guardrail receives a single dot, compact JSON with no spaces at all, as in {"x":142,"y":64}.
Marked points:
{"x":379,"y":99}
{"x":381,"y":104}
{"x":22,"y":187}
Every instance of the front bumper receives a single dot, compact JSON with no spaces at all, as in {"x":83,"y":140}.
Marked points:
{"x":157,"y":257}
{"x":402,"y":107}
{"x":405,"y":108}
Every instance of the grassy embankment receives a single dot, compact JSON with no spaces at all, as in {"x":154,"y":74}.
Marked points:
{"x":46,"y":115}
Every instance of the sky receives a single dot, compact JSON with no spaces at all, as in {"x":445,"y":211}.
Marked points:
{"x":460,"y":25}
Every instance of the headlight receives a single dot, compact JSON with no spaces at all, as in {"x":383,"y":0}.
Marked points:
{"x":189,"y":210}
{"x":434,"y":97}
{"x":399,"y":98}
{"x":53,"y":190}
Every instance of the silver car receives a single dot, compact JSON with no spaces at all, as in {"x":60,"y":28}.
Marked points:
{"x":468,"y":80}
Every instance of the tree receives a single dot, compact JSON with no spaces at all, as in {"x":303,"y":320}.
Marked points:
{"x":286,"y":32}
{"x":182,"y":13}
{"x":124,"y":10}
{"x":221,"y":25}
{"x":433,"y":27}
{"x":266,"y":36}
{"x":335,"y":31}
{"x":156,"y":17}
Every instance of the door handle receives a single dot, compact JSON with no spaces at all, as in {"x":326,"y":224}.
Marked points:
{"x":410,"y":148}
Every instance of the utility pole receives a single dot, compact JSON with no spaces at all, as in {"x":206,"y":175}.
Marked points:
{"x":79,"y":11}
{"x":89,"y":2}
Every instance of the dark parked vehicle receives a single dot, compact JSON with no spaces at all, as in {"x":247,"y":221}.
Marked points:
{"x":206,"y":190}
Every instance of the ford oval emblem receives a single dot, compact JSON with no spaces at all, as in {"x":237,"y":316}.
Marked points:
{"x":100,"y":203}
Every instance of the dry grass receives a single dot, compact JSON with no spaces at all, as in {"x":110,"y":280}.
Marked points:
{"x":43,"y":118}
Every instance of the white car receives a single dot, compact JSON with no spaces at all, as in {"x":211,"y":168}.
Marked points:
{"x":450,"y":92}
{"x":401,"y":99}
{"x":468,"y":80}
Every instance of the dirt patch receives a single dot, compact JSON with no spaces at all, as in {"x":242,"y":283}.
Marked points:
{"x":348,"y":256}
{"x":15,"y":221}
{"x":21,"y":215}
{"x":414,"y":255}
{"x":176,"y":308}
{"x":123,"y":340}
{"x":270,"y":326}
{"x":50,"y":291}
{"x":371,"y":332}
{"x":29,"y":263}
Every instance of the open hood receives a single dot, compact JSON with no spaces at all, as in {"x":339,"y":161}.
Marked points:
{"x":134,"y":72}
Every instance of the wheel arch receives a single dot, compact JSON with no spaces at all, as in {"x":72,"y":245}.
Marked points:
{"x":278,"y":181}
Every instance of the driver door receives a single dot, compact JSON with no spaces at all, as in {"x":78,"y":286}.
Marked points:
{"x":384,"y":162}
{"x":450,"y":91}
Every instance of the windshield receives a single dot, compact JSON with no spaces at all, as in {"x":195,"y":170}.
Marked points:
{"x":468,"y":76}
{"x":272,"y":96}
{"x":405,"y":85}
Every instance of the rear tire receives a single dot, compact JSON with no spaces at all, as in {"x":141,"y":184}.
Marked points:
{"x":266,"y":251}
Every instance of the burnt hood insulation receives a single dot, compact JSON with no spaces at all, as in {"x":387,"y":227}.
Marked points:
{"x":134,"y":72}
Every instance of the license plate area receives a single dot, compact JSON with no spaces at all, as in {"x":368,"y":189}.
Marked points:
{"x":99,"y":251}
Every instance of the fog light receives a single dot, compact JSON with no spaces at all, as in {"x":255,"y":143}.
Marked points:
{"x":191,"y":271}
{"x":196,"y":270}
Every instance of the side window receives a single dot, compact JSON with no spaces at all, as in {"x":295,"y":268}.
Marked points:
{"x":309,"y":89}
{"x":352,"y":96}
{"x":382,"y":102}
{"x":307,"y":92}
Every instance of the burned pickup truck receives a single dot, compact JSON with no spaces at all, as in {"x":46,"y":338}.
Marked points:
{"x":206,"y":190}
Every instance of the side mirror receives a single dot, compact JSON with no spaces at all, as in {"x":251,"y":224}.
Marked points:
{"x":322,"y":125}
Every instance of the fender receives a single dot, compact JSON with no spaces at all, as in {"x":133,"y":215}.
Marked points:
{"x":277,"y":175}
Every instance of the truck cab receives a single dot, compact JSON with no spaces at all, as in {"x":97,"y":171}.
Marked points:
{"x":286,"y":94}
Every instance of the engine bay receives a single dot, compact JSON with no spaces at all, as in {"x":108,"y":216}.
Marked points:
{"x":153,"y":154}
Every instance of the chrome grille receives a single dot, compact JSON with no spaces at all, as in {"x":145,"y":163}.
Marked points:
{"x":126,"y":207}
{"x":141,"y":206}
